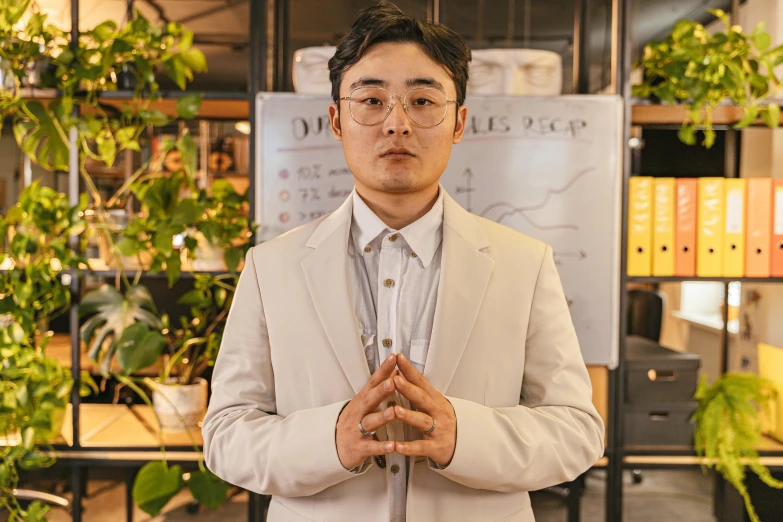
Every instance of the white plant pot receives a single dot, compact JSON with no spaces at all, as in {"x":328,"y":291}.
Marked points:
{"x":180,"y":406}
{"x":209,"y":258}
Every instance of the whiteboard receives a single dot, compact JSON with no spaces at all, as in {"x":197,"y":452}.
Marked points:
{"x":548,"y":167}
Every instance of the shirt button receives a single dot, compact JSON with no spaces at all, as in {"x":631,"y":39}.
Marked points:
{"x":395,"y":469}
{"x":387,"y":343}
{"x":413,"y":254}
{"x":391,"y":404}
{"x":367,"y":249}
{"x":389,"y":283}
{"x":393,"y":238}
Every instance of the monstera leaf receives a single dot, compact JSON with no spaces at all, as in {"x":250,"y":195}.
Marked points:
{"x":111,"y":327}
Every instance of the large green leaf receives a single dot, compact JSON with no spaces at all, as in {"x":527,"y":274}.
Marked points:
{"x":139,"y":348}
{"x":189,"y":105}
{"x":156,"y":485}
{"x":111,"y":314}
{"x":207,"y":488}
{"x":232,"y":256}
{"x":187,"y":212}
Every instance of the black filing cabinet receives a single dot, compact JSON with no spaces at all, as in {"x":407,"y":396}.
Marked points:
{"x":659,"y":389}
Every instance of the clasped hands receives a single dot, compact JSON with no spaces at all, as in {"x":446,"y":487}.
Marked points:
{"x":396,"y":373}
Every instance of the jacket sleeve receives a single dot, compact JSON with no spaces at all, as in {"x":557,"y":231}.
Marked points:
{"x":245,"y":442}
{"x":555,"y":433}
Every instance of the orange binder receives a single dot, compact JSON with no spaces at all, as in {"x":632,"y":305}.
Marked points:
{"x":711,"y":223}
{"x":759,"y":232}
{"x":777,"y":230}
{"x":685,"y":231}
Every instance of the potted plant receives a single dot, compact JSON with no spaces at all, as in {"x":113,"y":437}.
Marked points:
{"x":728,"y":429}
{"x":701,"y":70}
{"x":126,"y":334}
{"x":34,"y":393}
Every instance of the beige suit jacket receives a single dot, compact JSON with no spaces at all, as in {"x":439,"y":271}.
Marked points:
{"x":503,"y":351}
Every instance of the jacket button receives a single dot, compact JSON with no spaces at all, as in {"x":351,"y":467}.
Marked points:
{"x":389,"y":283}
{"x":413,"y":254}
{"x":391,"y":404}
{"x":368,"y":249}
{"x":395,"y":469}
{"x":387,"y":343}
{"x":393,"y":238}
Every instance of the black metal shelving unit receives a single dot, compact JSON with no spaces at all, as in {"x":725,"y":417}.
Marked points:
{"x":267,"y":70}
{"x":666,"y":457}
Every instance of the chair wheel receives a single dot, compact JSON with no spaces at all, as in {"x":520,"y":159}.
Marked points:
{"x":637,"y":476}
{"x":192,"y":507}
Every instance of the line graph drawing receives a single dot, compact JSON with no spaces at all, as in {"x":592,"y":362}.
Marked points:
{"x":522,"y":211}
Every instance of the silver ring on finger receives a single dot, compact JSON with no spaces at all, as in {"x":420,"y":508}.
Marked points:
{"x":431,"y":429}
{"x":365,"y":432}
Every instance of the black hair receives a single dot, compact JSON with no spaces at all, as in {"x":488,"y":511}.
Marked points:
{"x":387,"y":23}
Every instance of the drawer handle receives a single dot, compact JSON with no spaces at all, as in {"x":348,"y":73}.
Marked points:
{"x":656,"y":416}
{"x":662,"y":376}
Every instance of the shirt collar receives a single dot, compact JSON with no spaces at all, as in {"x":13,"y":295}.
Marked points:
{"x":423,"y":235}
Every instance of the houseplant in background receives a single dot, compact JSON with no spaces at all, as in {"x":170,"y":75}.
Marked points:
{"x":34,"y":392}
{"x":728,"y":429}
{"x":34,"y":389}
{"x":126,"y":334}
{"x":701,"y":71}
{"x":36,"y":232}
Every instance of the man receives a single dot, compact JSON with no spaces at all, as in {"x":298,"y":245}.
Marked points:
{"x":400,"y":359}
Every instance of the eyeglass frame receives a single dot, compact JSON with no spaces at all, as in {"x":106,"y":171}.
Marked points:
{"x":405,"y":106}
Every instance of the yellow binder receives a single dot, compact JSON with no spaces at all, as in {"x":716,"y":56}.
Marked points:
{"x":663,"y":227}
{"x":711,"y":223}
{"x":640,"y":208}
{"x":771,"y":368}
{"x":734,"y":233}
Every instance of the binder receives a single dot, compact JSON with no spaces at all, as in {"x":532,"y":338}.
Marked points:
{"x":709,"y":240}
{"x":663,"y":227}
{"x":640,"y":209}
{"x":758,"y":261}
{"x":685,"y":234}
{"x":777,"y":230}
{"x":734,"y":233}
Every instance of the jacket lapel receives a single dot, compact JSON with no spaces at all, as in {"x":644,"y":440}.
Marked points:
{"x":465,"y":273}
{"x":326,"y":274}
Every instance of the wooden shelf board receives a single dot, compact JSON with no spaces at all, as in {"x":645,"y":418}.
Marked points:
{"x":674,"y":115}
{"x":654,"y":279}
{"x":211,"y":109}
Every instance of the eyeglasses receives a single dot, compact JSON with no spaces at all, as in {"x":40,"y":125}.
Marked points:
{"x":372,"y":105}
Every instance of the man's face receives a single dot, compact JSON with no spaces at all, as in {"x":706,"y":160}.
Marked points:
{"x":397,"y":67}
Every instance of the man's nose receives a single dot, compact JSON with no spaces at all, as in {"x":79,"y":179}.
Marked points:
{"x":398,"y":121}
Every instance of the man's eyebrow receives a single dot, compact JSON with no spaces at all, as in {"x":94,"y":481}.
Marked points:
{"x":368,"y":81}
{"x":428,"y":82}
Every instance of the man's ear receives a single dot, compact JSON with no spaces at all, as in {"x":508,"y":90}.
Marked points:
{"x":334,"y":122}
{"x":459,"y":127}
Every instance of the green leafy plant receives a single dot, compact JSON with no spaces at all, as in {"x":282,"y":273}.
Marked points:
{"x":37,"y":230}
{"x":82,"y":74}
{"x":193,"y":347}
{"x":700,"y":70}
{"x":728,"y":429}
{"x":172,"y":206}
{"x":35,"y":390}
{"x":125,"y":326}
